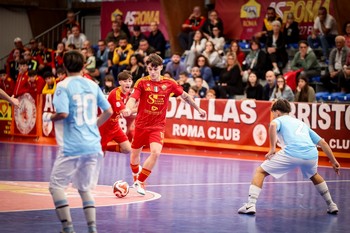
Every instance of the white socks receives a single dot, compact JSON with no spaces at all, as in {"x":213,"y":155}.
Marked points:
{"x":89,"y":210}
{"x":254,"y":192}
{"x":322,"y":188}
{"x":62,"y":209}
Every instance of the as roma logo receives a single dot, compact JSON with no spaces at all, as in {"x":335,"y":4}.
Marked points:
{"x":25,"y":114}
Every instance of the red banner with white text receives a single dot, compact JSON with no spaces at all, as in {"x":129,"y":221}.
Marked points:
{"x":252,"y":13}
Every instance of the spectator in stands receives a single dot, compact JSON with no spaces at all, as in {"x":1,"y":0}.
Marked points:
{"x":345,"y":80}
{"x":61,"y":74}
{"x":185,"y":81}
{"x":58,"y":55}
{"x":209,"y":24}
{"x":193,"y":92}
{"x":36,"y":83}
{"x":77,"y":38}
{"x":121,"y":56}
{"x":306,"y":60}
{"x":6,"y":83}
{"x":18,"y":45}
{"x":34,"y":48}
{"x":102,"y":60}
{"x":234,"y":48}
{"x":111,"y":47}
{"x":64,"y":40}
{"x":230,"y":81}
{"x":136,"y":68}
{"x":214,"y":58}
{"x":282,"y":90}
{"x":276,"y":48}
{"x":270,"y":84}
{"x":192,"y":24}
{"x":116,"y":33}
{"x":47,"y":57}
{"x":50,"y":85}
{"x":156,"y":39}
{"x":291,"y":30}
{"x":256,"y":61}
{"x":324,"y":31}
{"x":206,"y":72}
{"x":197,"y":48}
{"x":211,"y":94}
{"x":167,"y":75}
{"x":304,"y":92}
{"x":123,"y":26}
{"x":219,"y":41}
{"x":337,"y":60}
{"x":71,"y":22}
{"x":175,"y":66}
{"x":346,"y":31}
{"x":12,"y":66}
{"x":144,"y":50}
{"x":271,"y":16}
{"x":22,"y":85}
{"x":32,"y":63}
{"x":87,"y":44}
{"x":254,"y":90}
{"x":196,"y":72}
{"x":71,"y":47}
{"x":201,"y":90}
{"x":90,"y":64}
{"x":109,"y":84}
{"x":136,"y":37}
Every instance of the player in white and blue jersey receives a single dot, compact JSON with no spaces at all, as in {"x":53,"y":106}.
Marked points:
{"x":299,"y":150}
{"x":76,"y":100}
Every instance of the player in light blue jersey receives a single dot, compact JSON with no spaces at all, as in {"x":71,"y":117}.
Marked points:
{"x":298,"y":151}
{"x":76,"y":100}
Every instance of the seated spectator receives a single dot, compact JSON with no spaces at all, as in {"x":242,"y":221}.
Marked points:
{"x":346,"y":31}
{"x":193,"y":92}
{"x":111,"y":47}
{"x":36,"y":83}
{"x":109,"y":84}
{"x":304,"y":93}
{"x":201,"y":91}
{"x":156,"y":39}
{"x":270,"y":85}
{"x":291,"y":30}
{"x":50,"y":85}
{"x":34,"y":49}
{"x":206,"y":72}
{"x":102,"y":60}
{"x":58,"y":55}
{"x":87,"y":45}
{"x":214,"y":58}
{"x":209,"y":24}
{"x":185,"y":81}
{"x":306,"y":60}
{"x":282,"y":90}
{"x":254,"y":90}
{"x":116,"y":33}
{"x":337,"y":60}
{"x":71,"y":21}
{"x":230,"y":81}
{"x":121,"y":56}
{"x":12,"y":66}
{"x":234,"y":48}
{"x":324,"y":31}
{"x":136,"y":68}
{"x":271,"y":16}
{"x":18,"y":45}
{"x":137,"y":37}
{"x":256,"y":61}
{"x":345,"y":79}
{"x":218,"y":40}
{"x":276,"y":48}
{"x":123,"y":26}
{"x":144,"y":50}
{"x":192,"y":24}
{"x":22,"y":84}
{"x":196,"y":72}
{"x":64,"y":40}
{"x":197,"y":48}
{"x":47,"y":56}
{"x":167,"y":74}
{"x":6,"y":83}
{"x":61,"y":74}
{"x":77,"y":38}
{"x":32,"y":63}
{"x":211,"y":94}
{"x":71,"y":47}
{"x":175,"y":66}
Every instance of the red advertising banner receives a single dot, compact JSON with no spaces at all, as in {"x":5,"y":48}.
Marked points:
{"x":141,"y":13}
{"x":252,"y":14}
{"x":5,"y":117}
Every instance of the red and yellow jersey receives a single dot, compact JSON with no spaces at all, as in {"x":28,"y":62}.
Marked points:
{"x":37,"y":86}
{"x":153,"y":99}
{"x":117,"y":99}
{"x":22,"y":85}
{"x":8,"y":85}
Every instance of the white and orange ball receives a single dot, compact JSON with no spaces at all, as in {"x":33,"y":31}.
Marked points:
{"x":120,"y":188}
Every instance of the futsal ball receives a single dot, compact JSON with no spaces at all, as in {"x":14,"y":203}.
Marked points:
{"x":120,"y":188}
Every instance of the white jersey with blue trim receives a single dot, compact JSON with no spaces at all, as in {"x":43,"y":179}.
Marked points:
{"x":80,"y":98}
{"x":296,"y":138}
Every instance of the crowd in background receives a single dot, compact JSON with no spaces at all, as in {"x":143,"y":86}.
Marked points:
{"x":211,"y":66}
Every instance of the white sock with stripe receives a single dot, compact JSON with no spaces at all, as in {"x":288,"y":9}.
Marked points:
{"x":254,"y":192}
{"x":89,"y":210}
{"x":62,"y":209}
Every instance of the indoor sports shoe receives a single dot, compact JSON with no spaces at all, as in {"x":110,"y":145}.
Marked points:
{"x":247,"y":209}
{"x":332,"y":208}
{"x":140,"y":187}
{"x":135,"y":176}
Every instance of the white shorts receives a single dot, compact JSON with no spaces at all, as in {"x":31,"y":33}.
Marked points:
{"x":82,"y":171}
{"x":281,"y":164}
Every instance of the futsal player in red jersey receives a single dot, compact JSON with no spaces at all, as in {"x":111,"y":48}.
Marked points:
{"x":111,"y":129}
{"x":152,"y":92}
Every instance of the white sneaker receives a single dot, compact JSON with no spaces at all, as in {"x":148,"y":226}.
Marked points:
{"x":247,"y":209}
{"x":332,"y":208}
{"x":135,"y":176}
{"x":140,"y":187}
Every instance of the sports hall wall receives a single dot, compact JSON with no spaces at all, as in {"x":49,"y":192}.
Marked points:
{"x":229,"y":125}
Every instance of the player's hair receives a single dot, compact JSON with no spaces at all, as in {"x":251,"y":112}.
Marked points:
{"x":124,"y":75}
{"x":60,"y":70}
{"x":155,"y":60}
{"x":281,"y":105}
{"x":73,"y":61}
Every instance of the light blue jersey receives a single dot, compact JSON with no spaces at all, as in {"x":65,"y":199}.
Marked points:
{"x":296,"y":138}
{"x":78,"y":134}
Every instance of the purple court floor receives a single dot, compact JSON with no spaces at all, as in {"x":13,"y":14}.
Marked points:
{"x":198,"y":194}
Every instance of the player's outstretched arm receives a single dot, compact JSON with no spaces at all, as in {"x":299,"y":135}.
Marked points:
{"x":11,"y":99}
{"x":54,"y":116}
{"x":104,"y":116}
{"x":188,"y":99}
{"x":273,"y":140}
{"x":328,"y":151}
{"x":127,"y":111}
